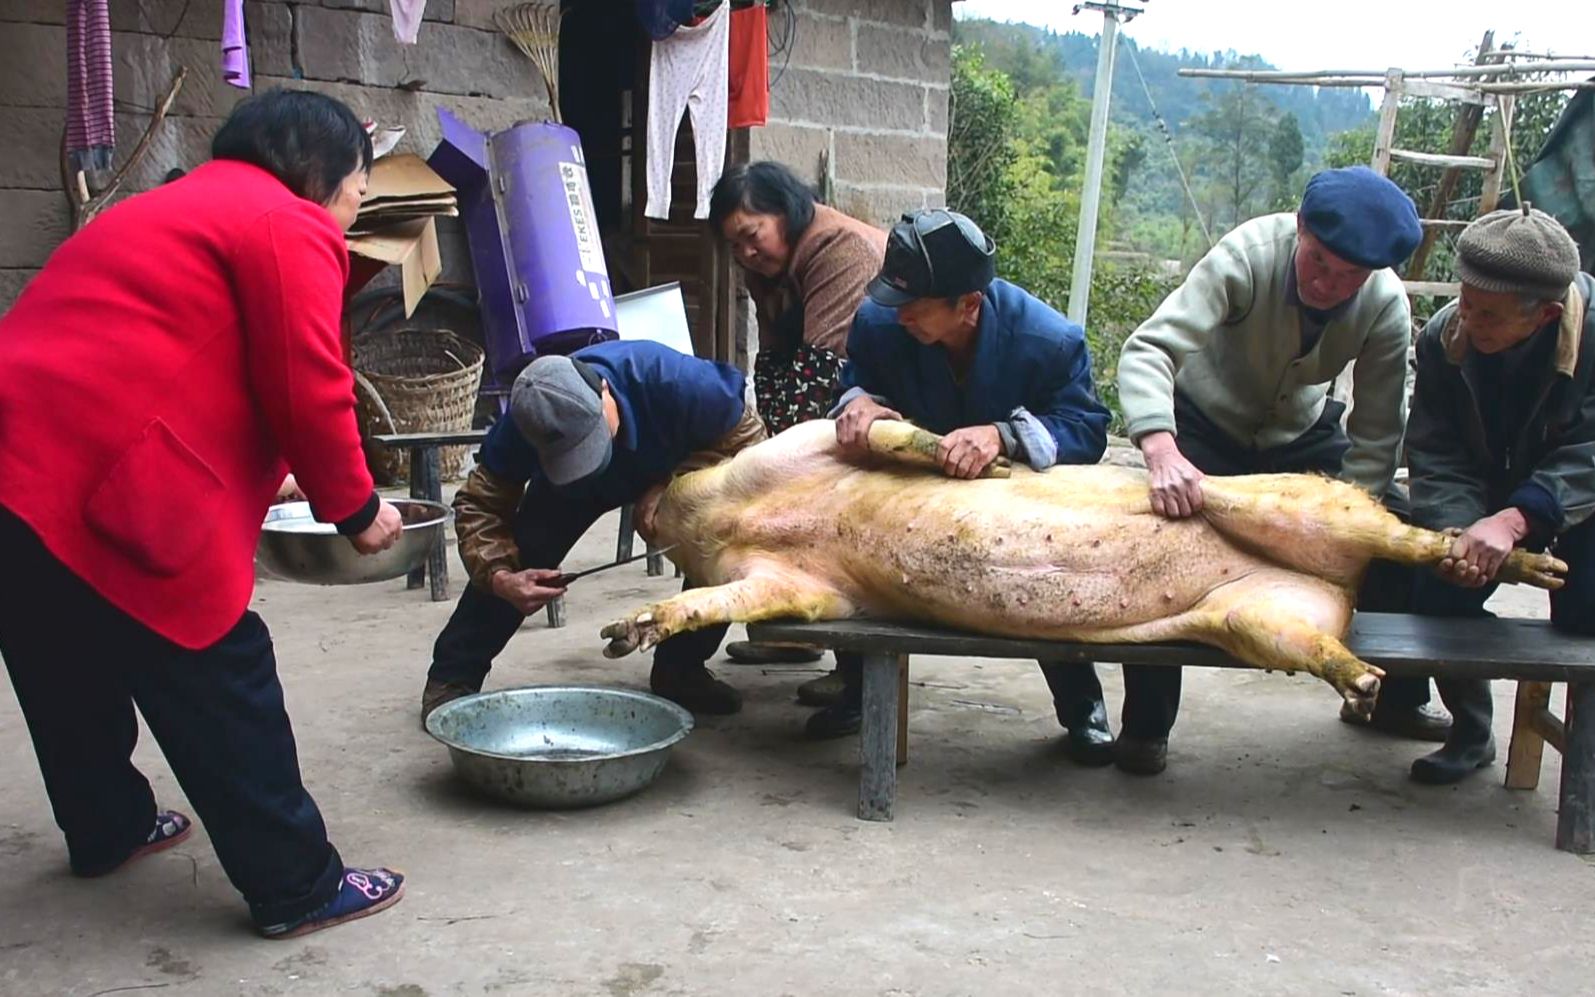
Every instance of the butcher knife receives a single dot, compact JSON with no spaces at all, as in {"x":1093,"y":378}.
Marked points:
{"x":564,"y":580}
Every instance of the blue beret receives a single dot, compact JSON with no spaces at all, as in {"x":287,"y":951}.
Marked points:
{"x":1361,"y":217}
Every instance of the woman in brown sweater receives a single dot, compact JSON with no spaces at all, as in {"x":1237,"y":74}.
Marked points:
{"x":806,"y":265}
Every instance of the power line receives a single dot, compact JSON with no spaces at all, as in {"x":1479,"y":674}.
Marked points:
{"x":1168,"y":138}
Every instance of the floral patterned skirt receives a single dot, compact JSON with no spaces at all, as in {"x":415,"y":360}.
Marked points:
{"x":790,"y":388}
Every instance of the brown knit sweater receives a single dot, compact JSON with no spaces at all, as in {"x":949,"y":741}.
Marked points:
{"x":827,"y":272}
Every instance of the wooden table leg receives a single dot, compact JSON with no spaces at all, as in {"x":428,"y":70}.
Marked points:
{"x":1575,"y":816}
{"x":877,"y":744}
{"x":417,"y":577}
{"x":1528,"y":746}
{"x":437,"y":562}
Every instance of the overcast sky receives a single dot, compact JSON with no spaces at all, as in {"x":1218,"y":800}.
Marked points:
{"x":1333,"y":34}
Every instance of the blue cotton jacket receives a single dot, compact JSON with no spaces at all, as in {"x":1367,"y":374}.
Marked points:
{"x":1031,"y":377}
{"x":671,"y":405}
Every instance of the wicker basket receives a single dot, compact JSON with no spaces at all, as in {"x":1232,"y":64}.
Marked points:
{"x":415,"y":381}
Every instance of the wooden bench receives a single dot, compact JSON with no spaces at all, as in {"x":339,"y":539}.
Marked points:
{"x":1526,"y":650}
{"x":426,"y":482}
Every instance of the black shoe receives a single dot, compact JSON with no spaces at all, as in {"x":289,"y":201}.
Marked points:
{"x":1090,"y":741}
{"x":838,"y":720}
{"x":1141,"y":756}
{"x":1421,"y":723}
{"x":696,"y":689}
{"x":1453,"y":763}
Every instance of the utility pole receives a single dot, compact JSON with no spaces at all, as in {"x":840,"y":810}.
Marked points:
{"x":1113,"y":13}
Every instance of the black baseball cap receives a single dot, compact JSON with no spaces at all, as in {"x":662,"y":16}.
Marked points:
{"x":935,"y":253}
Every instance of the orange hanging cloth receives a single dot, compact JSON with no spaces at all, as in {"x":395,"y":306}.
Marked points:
{"x":750,"y":67}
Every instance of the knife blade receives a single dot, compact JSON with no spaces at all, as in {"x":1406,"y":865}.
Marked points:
{"x":563,"y":581}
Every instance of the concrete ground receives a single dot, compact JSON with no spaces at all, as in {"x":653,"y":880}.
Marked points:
{"x":1282,"y":852}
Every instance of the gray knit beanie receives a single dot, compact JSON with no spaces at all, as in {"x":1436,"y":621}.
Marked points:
{"x":1509,"y":251}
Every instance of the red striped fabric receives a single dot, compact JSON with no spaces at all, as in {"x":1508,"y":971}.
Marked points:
{"x":90,"y":118}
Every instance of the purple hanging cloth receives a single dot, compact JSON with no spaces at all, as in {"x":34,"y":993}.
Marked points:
{"x":235,"y":48}
{"x":90,"y":117}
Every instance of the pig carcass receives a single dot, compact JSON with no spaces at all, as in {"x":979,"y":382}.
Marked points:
{"x":1267,"y":571}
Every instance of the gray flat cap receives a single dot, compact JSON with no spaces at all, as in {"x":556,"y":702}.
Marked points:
{"x":557,"y":405}
{"x":1508,"y":251}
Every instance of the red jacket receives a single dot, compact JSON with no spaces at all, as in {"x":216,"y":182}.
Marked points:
{"x":171,"y":362}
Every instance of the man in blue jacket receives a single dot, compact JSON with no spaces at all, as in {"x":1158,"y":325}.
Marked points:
{"x":607,"y":426}
{"x":946,"y":345}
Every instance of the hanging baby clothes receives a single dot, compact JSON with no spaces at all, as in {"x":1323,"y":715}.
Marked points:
{"x":90,"y":118}
{"x":235,"y":50}
{"x":750,"y":66}
{"x":688,"y":72}
{"x":407,"y":19}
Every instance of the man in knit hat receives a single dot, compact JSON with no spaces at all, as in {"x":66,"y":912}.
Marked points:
{"x":1501,"y":444}
{"x":1231,"y":375}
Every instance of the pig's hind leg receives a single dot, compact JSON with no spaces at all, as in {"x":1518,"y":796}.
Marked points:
{"x":1282,"y":620}
{"x":766,"y":592}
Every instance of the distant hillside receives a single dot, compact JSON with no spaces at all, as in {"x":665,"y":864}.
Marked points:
{"x":1036,"y":57}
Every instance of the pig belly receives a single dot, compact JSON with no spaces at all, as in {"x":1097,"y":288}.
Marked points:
{"x":1030,"y":567}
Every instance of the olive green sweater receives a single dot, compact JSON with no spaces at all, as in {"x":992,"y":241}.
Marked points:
{"x":1228,"y":339}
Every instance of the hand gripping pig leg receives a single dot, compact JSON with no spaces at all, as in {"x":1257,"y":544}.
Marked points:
{"x":1332,"y":529}
{"x":765,"y":594}
{"x":906,"y":443}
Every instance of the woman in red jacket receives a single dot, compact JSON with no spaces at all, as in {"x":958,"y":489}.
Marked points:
{"x":158,"y":378}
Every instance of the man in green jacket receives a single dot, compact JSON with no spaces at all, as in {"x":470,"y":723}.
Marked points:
{"x":1231,"y":375}
{"x":1501,"y":444}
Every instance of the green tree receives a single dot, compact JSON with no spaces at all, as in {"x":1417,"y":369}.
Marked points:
{"x":1236,"y":130}
{"x":1284,"y":159}
{"x":1127,"y":159}
{"x":1013,"y":164}
{"x":1425,"y":125}
{"x":983,"y":117}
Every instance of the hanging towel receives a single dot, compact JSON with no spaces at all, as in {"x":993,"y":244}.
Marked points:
{"x":235,"y":49}
{"x":750,"y":67}
{"x":687,"y":71}
{"x":407,"y":19}
{"x":90,"y":118}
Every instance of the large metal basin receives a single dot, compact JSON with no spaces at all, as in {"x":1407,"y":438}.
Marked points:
{"x":557,"y":746}
{"x":295,"y":547}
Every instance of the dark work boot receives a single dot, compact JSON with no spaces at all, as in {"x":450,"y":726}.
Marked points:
{"x":1471,"y":745}
{"x":437,"y":693}
{"x":1090,"y":740}
{"x":695,"y":688}
{"x":1141,"y":755}
{"x":846,"y":715}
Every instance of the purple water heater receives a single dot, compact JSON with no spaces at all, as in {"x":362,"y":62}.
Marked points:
{"x":528,"y":213}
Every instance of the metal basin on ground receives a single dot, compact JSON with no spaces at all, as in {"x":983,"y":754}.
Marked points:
{"x":558,"y":747}
{"x":295,"y":547}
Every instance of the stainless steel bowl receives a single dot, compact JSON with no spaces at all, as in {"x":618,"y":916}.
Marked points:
{"x":296,"y":547}
{"x":557,"y":746}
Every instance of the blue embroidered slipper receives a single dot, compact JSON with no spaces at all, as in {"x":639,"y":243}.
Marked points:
{"x":361,"y":893}
{"x":171,"y":828}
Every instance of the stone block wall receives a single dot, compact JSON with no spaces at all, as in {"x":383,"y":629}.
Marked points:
{"x":342,"y":47}
{"x":867,"y":83}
